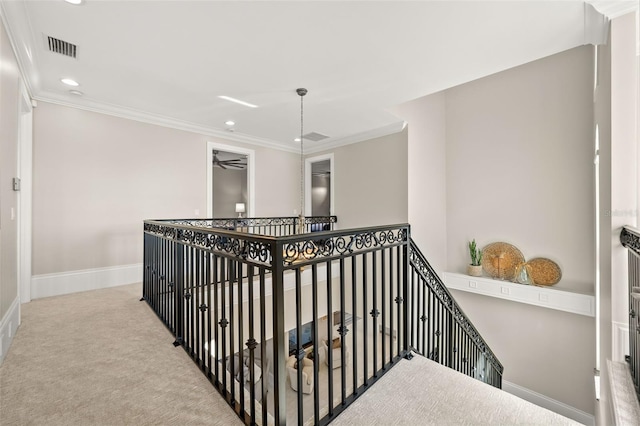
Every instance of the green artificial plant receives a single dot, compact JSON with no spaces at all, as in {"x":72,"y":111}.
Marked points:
{"x":476,"y":253}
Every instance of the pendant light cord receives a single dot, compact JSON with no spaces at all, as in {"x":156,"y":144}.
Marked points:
{"x":301,"y":92}
{"x":301,"y":156}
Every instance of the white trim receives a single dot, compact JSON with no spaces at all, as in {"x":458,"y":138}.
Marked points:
{"x":4,"y":16}
{"x":163,"y":121}
{"x":307,"y":190}
{"x":25,"y":173}
{"x":545,"y":297}
{"x":549,"y":403}
{"x":8,"y":326}
{"x":389,"y":129}
{"x":47,"y":285}
{"x":251,"y":177}
{"x":620,"y":336}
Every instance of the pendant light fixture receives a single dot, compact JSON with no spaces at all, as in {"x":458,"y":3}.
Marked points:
{"x":301,"y":92}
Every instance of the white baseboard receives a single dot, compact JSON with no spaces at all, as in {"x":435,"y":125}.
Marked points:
{"x":47,"y":285}
{"x":8,"y":327}
{"x":620,"y":336}
{"x":549,"y":403}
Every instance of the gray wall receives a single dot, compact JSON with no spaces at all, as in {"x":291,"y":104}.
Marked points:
{"x":9,"y":102}
{"x":426,"y":174}
{"x":97,"y":177}
{"x":229,"y":188}
{"x":520,"y":169}
{"x":520,"y":164}
{"x":370,"y":182}
{"x":320,"y":195}
{"x":509,"y":157}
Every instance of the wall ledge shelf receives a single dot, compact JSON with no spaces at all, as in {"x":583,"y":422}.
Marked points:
{"x":546,"y":297}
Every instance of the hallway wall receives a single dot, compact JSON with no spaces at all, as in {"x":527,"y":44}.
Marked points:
{"x":97,"y":177}
{"x":10,"y":99}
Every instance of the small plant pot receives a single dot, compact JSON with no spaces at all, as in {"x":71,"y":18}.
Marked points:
{"x":474,"y":270}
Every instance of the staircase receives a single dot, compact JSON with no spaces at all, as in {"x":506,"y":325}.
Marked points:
{"x":250,"y":299}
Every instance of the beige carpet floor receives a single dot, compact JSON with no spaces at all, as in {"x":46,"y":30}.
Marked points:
{"x":102,"y":358}
{"x":422,"y":392}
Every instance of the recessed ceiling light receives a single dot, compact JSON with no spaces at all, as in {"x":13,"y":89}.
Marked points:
{"x":296,"y":140}
{"x":74,"y":1}
{"x":230,"y":123}
{"x":238,"y":101}
{"x":70,"y":82}
{"x":76,"y":92}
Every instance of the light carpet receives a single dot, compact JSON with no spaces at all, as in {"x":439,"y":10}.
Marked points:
{"x":102,"y":358}
{"x":422,"y":392}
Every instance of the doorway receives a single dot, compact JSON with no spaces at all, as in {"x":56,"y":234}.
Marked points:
{"x":319,"y":185}
{"x":230,"y":181}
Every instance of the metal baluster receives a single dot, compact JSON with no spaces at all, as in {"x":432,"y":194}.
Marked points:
{"x":374,"y":312}
{"x":251,"y":345}
{"x":342,"y":330}
{"x":329,"y":337}
{"x":232,"y":337}
{"x":390,"y":302}
{"x":354,"y":325}
{"x":223,"y":325}
{"x":383,"y":297}
{"x":316,"y":345}
{"x":197,"y":311}
{"x":300,"y":353}
{"x":365,"y":319}
{"x":263,"y":342}
{"x":238,"y":280}
{"x":209,"y":287}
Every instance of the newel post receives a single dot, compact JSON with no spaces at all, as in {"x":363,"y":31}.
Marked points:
{"x":279,"y":352}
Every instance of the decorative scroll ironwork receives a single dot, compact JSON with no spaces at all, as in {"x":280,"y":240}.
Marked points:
{"x":288,"y":224}
{"x":630,"y":238}
{"x":322,"y":248}
{"x":256,"y":251}
{"x":420,"y":264}
{"x":319,"y":219}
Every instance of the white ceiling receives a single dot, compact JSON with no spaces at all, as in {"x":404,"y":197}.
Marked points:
{"x":168,"y":61}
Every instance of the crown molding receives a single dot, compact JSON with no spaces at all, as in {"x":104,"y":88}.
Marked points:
{"x":379,"y":132}
{"x":22,"y":66}
{"x":149,"y":118}
{"x":614,"y":8}
{"x":159,"y":120}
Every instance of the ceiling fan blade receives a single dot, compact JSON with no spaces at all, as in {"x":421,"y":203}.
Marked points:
{"x":222,"y":166}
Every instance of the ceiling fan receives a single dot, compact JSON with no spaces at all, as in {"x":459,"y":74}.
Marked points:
{"x":237,"y":163}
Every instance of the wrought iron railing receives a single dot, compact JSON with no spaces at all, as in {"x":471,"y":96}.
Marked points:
{"x":630,"y":238}
{"x":272,"y":226}
{"x":439,"y":329}
{"x":314,"y":318}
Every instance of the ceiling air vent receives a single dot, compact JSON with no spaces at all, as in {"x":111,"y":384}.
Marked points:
{"x":62,"y":47}
{"x":313,"y":136}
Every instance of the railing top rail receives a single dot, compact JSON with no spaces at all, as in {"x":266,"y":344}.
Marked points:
{"x":296,"y":249}
{"x":432,"y":278}
{"x":250,"y":222}
{"x":306,"y":249}
{"x":630,"y":238}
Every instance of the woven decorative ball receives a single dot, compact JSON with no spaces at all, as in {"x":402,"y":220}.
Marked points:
{"x":499,"y":260}
{"x":544,"y":271}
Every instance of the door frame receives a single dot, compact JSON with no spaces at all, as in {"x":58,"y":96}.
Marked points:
{"x":308,"y":163}
{"x":251,"y":174}
{"x":25,"y":214}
